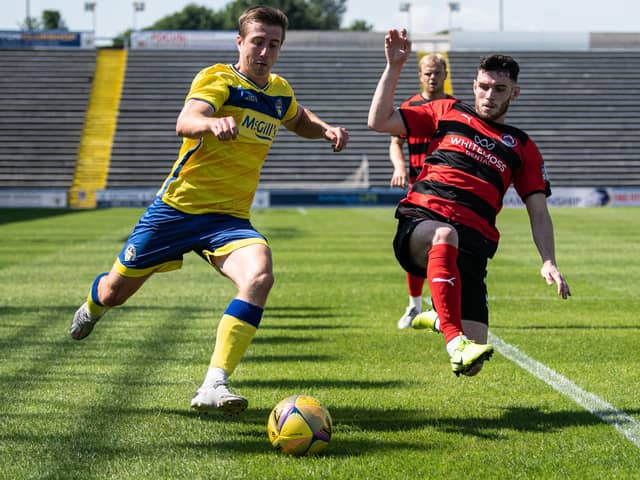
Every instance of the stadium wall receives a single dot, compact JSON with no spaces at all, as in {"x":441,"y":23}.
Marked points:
{"x":562,"y":197}
{"x":375,"y":197}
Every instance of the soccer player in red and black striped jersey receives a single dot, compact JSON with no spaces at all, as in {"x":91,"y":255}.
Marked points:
{"x":447,"y":222}
{"x":432,"y":73}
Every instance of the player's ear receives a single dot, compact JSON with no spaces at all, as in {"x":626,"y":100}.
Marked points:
{"x":515,"y":93}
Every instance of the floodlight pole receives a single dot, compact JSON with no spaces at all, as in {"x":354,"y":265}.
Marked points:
{"x":453,"y":7}
{"x":406,"y":7}
{"x":137,"y":7}
{"x":91,"y":7}
{"x":28,"y":14}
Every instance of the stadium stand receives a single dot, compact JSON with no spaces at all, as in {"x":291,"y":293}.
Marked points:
{"x":43,"y":99}
{"x":581,"y":108}
{"x":94,"y":151}
{"x":336,"y":84}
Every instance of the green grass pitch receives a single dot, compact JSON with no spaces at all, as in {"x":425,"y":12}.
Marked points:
{"x":116,"y":405}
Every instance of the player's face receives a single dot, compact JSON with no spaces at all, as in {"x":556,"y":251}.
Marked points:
{"x":258,"y":51}
{"x":493,"y":94}
{"x":432,"y":76}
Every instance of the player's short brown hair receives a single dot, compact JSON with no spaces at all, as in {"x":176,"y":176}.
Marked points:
{"x":265,"y":15}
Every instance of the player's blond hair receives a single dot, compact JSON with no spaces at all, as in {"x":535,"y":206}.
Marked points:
{"x":433,"y":58}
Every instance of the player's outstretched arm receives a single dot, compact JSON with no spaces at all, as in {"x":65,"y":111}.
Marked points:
{"x":308,"y":125}
{"x":542,"y":231}
{"x":382,"y":116}
{"x":396,"y":155}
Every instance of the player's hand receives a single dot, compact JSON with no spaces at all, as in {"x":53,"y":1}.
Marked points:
{"x":224,"y":128}
{"x":339,"y":136}
{"x":398,"y":180}
{"x":397,"y":47}
{"x":551,"y":274}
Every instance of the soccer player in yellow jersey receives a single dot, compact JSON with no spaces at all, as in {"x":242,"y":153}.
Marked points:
{"x":229,"y":120}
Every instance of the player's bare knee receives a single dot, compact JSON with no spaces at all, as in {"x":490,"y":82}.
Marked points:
{"x":264,"y":281}
{"x":446,"y":234}
{"x":259,"y":283}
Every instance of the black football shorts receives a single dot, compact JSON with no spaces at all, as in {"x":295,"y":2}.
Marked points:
{"x":471,"y":265}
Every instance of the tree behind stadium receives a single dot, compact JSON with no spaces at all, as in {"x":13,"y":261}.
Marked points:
{"x":303,"y":15}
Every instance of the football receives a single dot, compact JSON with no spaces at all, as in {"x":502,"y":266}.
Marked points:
{"x":300,"y":425}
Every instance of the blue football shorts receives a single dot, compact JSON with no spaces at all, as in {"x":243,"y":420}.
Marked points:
{"x":163,"y":235}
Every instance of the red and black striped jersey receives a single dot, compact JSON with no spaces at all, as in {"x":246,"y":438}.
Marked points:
{"x":470,"y":164}
{"x":417,"y":146}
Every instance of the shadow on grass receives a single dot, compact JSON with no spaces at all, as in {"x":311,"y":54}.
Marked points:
{"x":356,"y":430}
{"x":282,"y":339}
{"x":179,"y":311}
{"x":338,"y":447}
{"x":266,"y":325}
{"x":315,"y":383}
{"x":69,"y":309}
{"x":301,"y":312}
{"x":518,"y":419}
{"x":11,"y":215}
{"x":283,"y":233}
{"x":569,"y":327}
{"x":91,"y":424}
{"x":250,"y":358}
{"x":269,"y":315}
{"x":48,"y":310}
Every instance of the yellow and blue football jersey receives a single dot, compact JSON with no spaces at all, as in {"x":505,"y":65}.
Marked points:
{"x":213,"y":176}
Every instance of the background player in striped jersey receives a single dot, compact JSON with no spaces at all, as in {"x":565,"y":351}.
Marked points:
{"x":446,"y":223}
{"x":228,"y":123}
{"x":432,"y":73}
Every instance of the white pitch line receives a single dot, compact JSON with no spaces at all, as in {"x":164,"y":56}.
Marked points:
{"x":622,"y":422}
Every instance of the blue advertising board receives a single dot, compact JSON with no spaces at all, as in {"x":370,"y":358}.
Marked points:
{"x":44,"y":39}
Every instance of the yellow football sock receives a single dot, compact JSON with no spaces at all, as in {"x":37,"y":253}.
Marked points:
{"x":96,"y":309}
{"x":235,"y":333}
{"x":232,"y":341}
